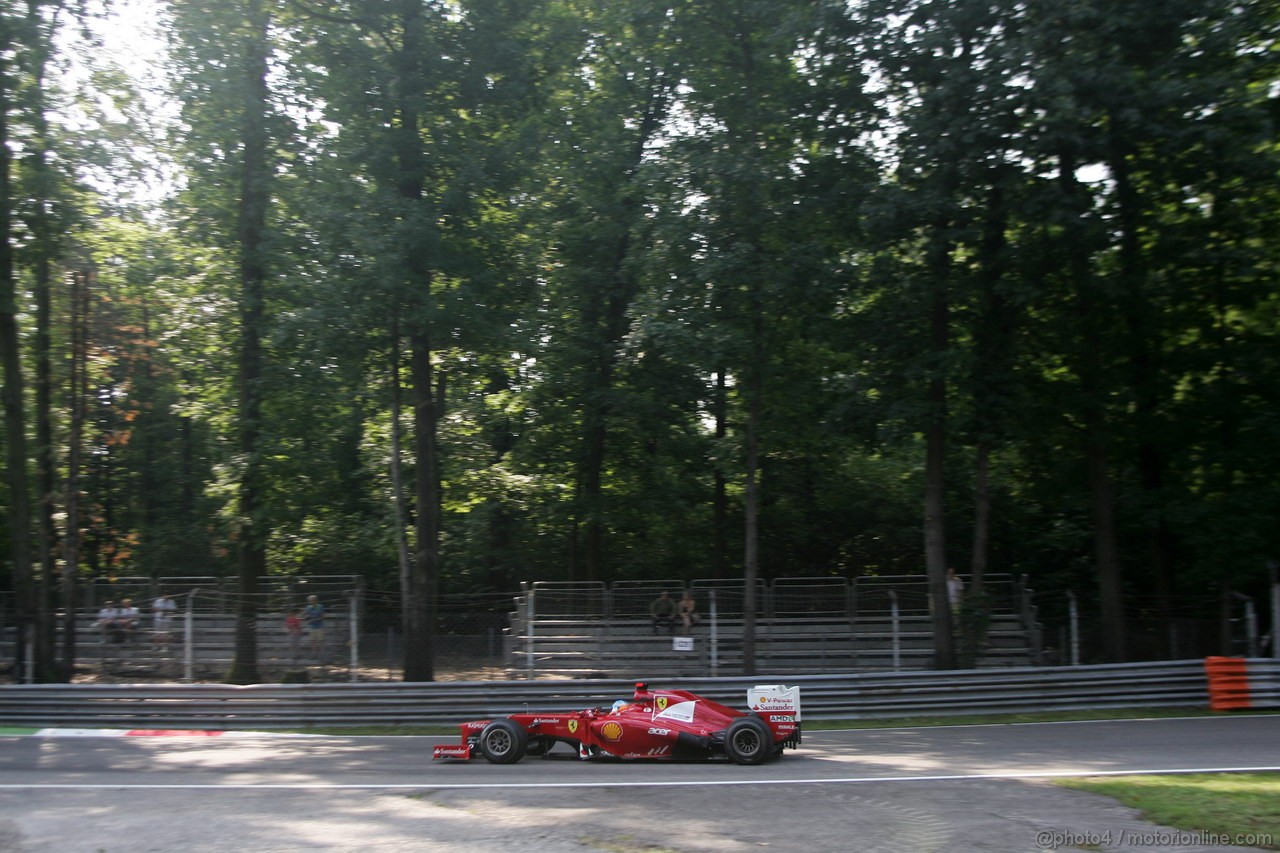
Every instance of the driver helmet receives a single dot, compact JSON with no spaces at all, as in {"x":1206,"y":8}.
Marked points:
{"x":620,"y":705}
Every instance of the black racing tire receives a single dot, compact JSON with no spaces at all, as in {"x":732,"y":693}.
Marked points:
{"x":503,"y":742}
{"x":748,"y":740}
{"x":539,"y":746}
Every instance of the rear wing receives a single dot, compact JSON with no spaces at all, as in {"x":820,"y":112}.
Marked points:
{"x":770,"y":699}
{"x":779,"y":707}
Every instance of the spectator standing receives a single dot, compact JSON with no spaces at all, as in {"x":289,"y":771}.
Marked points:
{"x":313,"y":615}
{"x":129,"y":617}
{"x":162,"y":610}
{"x":293,"y":627}
{"x":955,"y":589}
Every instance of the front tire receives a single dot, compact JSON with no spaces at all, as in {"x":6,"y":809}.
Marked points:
{"x":748,"y":740}
{"x":503,"y":742}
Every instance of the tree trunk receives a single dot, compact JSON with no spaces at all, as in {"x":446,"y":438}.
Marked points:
{"x":80,"y":284}
{"x":607,"y":314}
{"x":397,"y":481}
{"x":410,"y":186}
{"x":751,"y":514}
{"x":992,"y":381}
{"x":935,"y":536}
{"x":419,"y":657}
{"x":251,"y":234}
{"x":1110,"y":595}
{"x":44,"y":658}
{"x":981,"y":518}
{"x":1144,"y":372}
{"x":1093,"y":414}
{"x":720,"y":494}
{"x":19,"y":509}
{"x":43,"y":249}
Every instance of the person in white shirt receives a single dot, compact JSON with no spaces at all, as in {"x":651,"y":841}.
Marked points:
{"x":162,"y":610}
{"x":129,"y":617}
{"x":955,"y":589}
{"x":109,"y":622}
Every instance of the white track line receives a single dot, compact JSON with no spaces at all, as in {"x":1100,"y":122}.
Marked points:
{"x":418,"y":786}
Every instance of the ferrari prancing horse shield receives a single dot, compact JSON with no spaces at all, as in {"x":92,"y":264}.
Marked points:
{"x":573,"y":726}
{"x":662,"y":703}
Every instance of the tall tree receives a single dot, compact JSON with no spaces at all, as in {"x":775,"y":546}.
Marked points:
{"x":42,"y":253}
{"x":737,"y":162}
{"x":429,"y":102}
{"x":16,"y":459}
{"x":949,"y":71}
{"x":251,"y":227}
{"x":226,"y":55}
{"x":610,"y":109}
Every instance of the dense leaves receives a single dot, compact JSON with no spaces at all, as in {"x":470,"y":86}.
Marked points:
{"x":473,"y":293}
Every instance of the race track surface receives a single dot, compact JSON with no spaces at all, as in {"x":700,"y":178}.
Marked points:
{"x":907,"y":789}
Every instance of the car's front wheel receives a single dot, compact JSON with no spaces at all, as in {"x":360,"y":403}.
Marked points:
{"x":748,"y":740}
{"x":503,"y":742}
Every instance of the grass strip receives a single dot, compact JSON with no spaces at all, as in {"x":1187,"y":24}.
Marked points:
{"x":1243,"y":808}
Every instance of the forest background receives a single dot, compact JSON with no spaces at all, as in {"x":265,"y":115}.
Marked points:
{"x":457,"y":294}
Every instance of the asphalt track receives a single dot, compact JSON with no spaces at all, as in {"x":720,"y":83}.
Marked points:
{"x":906,"y":789}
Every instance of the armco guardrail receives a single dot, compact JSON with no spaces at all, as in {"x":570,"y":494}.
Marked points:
{"x":859,"y":696}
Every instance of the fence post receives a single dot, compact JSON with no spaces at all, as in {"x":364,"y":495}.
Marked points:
{"x":1073,"y":621}
{"x":28,"y":632}
{"x":1275,"y":618}
{"x":528,"y":633}
{"x":188,"y":640}
{"x":714,"y":637}
{"x":1251,"y":627}
{"x":353,"y":622}
{"x":894,"y":629}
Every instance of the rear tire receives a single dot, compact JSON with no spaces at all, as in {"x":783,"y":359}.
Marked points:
{"x":503,"y":742}
{"x":748,"y":740}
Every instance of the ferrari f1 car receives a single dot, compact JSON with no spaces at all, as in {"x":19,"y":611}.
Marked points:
{"x":656,"y":724}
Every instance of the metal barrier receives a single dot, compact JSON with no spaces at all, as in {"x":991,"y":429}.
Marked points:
{"x":861,"y":696}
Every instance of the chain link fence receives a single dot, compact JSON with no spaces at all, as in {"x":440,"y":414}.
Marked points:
{"x":489,"y":636}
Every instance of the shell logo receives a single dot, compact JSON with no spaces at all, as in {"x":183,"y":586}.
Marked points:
{"x":662,"y":703}
{"x":611,"y":730}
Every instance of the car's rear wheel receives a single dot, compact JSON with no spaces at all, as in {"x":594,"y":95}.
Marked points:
{"x":503,"y":742}
{"x":748,"y":740}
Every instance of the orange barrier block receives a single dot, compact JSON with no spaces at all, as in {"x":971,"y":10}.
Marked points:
{"x":1228,"y":683}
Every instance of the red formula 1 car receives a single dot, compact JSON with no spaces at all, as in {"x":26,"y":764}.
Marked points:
{"x":660,"y":724}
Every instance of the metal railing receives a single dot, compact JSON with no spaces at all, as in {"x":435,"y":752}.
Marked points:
{"x":1168,"y":684}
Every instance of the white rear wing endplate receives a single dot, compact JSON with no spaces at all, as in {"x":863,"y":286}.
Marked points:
{"x":774,"y":699}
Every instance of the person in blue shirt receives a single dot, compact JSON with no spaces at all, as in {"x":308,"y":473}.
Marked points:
{"x":313,"y":617}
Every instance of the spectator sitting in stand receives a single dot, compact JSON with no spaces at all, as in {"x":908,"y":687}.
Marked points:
{"x":109,"y":622}
{"x":688,"y":609}
{"x":662,"y":612}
